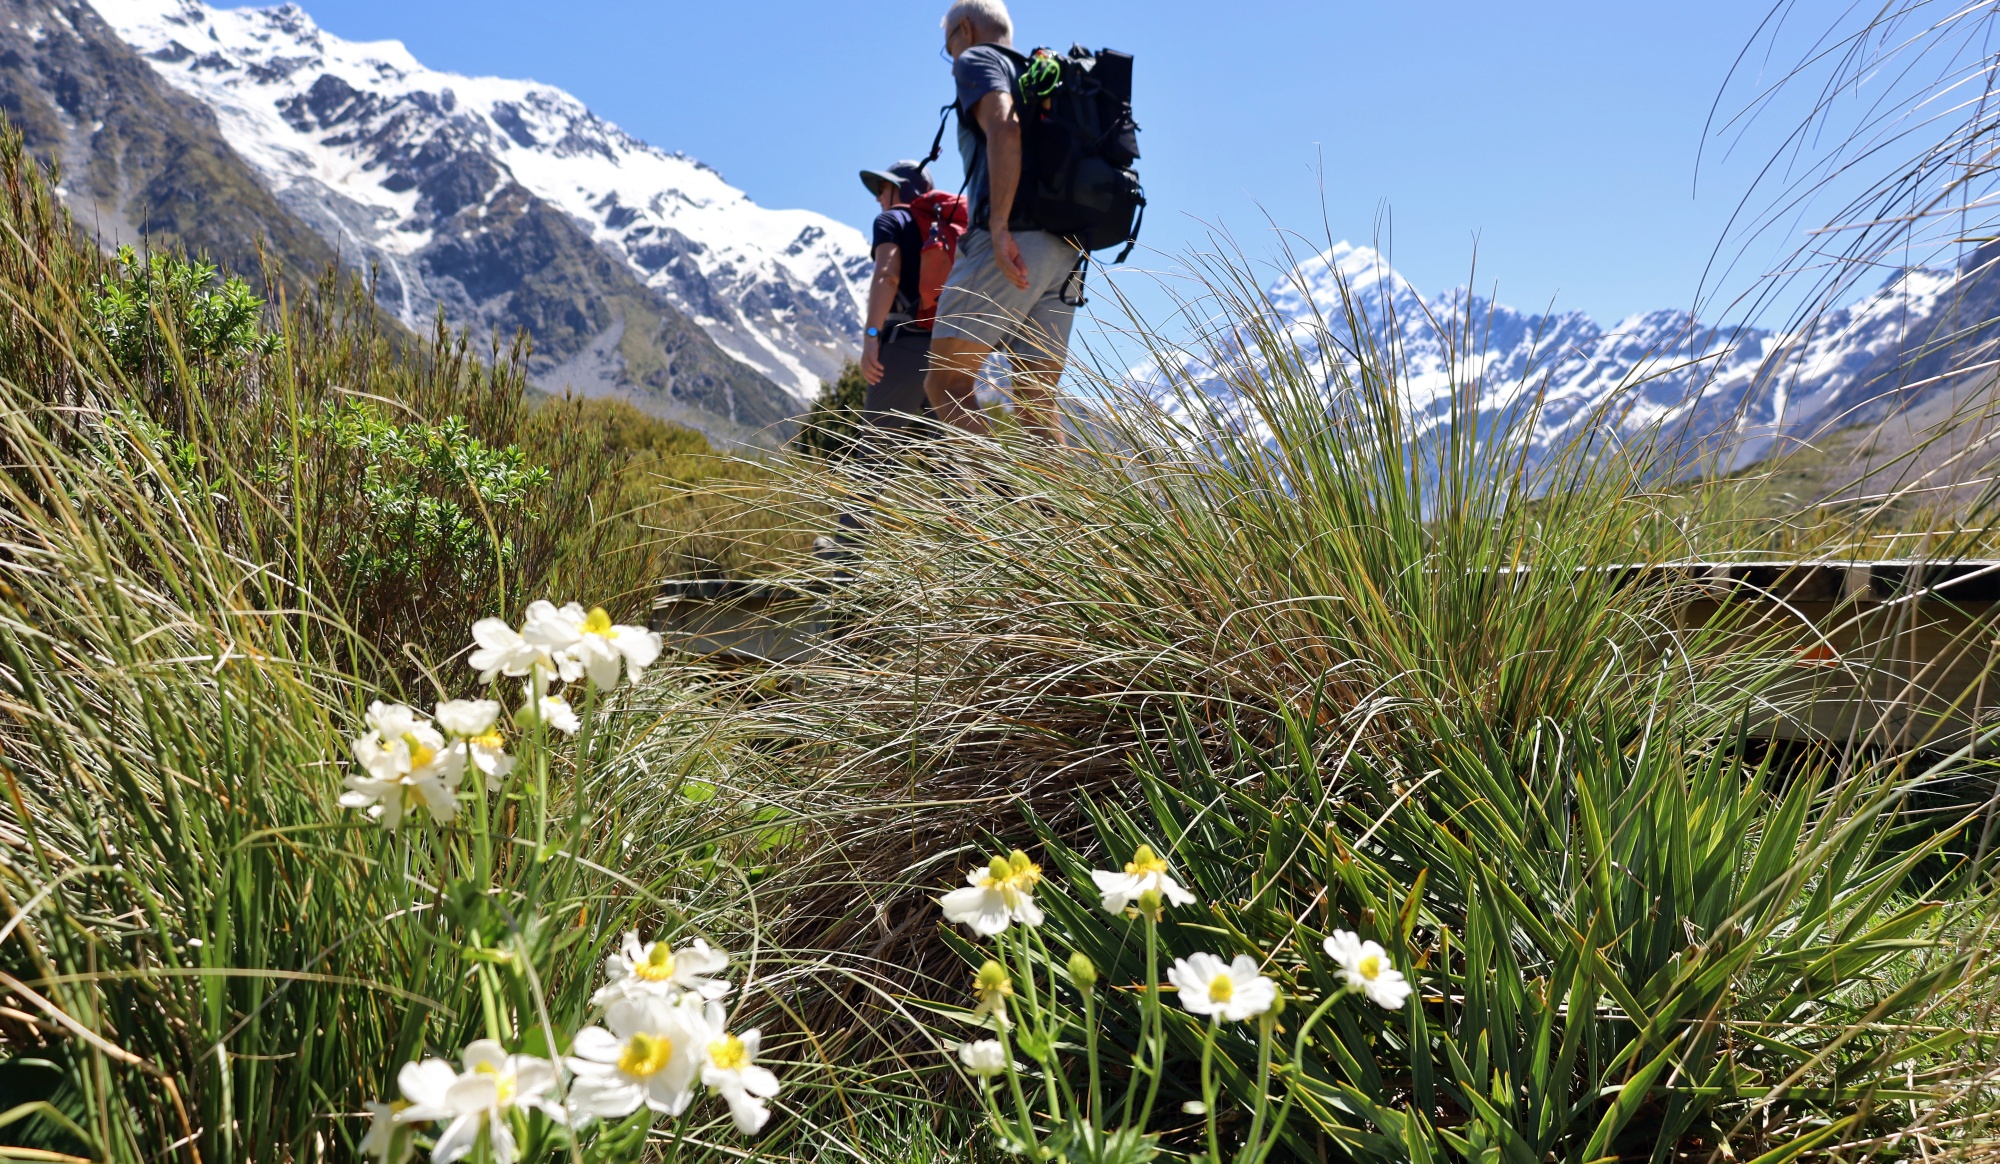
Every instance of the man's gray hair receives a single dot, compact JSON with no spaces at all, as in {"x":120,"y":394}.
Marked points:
{"x":988,"y":16}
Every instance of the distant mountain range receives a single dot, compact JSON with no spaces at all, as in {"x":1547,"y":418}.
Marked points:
{"x":1732,"y":395}
{"x":642,"y":274}
{"x":639,"y":273}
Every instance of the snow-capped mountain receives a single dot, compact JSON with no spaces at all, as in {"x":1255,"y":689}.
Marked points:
{"x":397,"y":165}
{"x":1736,"y":392}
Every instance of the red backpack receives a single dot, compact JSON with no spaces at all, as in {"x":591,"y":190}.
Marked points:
{"x":941,"y":220}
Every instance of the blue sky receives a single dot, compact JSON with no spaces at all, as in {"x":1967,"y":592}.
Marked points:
{"x":1558,"y":138}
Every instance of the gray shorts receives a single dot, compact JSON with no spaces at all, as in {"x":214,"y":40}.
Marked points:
{"x":981,"y":304}
{"x":899,"y":398}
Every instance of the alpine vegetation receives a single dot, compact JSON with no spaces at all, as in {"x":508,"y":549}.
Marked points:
{"x":1040,"y":1003}
{"x":1271,"y":774}
{"x":664,"y":1029}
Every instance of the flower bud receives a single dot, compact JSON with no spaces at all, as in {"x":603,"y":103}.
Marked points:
{"x":1150,"y":904}
{"x":1082,"y":972}
{"x":993,"y":979}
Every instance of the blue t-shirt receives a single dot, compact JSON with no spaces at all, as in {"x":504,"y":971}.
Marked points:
{"x":897,"y":225}
{"x":979,"y":70}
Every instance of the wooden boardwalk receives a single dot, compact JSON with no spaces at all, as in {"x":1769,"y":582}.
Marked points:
{"x":1890,"y":653}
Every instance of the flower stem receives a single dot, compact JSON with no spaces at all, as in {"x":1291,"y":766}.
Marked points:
{"x":1159,"y":1039}
{"x":1208,"y":1088}
{"x":1096,"y":1111}
{"x":1256,"y":1152}
{"x":1044,"y":1023}
{"x":1265,"y":1022}
{"x":1027,"y":1121}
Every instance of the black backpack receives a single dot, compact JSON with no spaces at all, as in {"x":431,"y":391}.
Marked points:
{"x":1078,"y":143}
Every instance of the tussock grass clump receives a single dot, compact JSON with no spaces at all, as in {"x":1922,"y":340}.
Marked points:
{"x":1417,"y":682}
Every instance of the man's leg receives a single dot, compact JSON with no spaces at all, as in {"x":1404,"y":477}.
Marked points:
{"x":1034,"y":391}
{"x":1039,"y":352}
{"x":953,"y":382}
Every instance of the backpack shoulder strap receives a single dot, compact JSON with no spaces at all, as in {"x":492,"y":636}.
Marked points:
{"x":937,"y":143}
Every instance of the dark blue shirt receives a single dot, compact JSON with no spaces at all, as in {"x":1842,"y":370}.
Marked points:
{"x":979,"y":70}
{"x":897,"y":226}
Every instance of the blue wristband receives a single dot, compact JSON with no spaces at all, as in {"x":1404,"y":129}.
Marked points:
{"x":873,"y":333}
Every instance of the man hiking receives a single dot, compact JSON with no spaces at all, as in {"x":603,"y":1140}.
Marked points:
{"x":1006,"y":288}
{"x":896,"y":346}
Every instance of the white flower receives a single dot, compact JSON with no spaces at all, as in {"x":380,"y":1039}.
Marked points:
{"x":556,"y":712}
{"x":539,"y":649}
{"x":1145,"y":872}
{"x":655,"y":968}
{"x":385,"y":1142}
{"x":465,"y":718}
{"x":604,"y":650}
{"x":478,"y":743}
{"x":404,"y":764}
{"x":1366,"y":967}
{"x":730,"y":1071}
{"x":1231,"y":991}
{"x":996,"y":894}
{"x":500,"y":650}
{"x":983,"y":1057}
{"x":488,"y":753}
{"x":555,"y":631}
{"x":492,"y":1084}
{"x":648,"y":1057}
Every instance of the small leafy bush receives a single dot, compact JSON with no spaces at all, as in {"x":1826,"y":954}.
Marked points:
{"x":165,"y":314}
{"x":431,"y":496}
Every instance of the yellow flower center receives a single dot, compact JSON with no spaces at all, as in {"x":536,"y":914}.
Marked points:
{"x":597,"y":622}
{"x":646,"y":1055}
{"x":993,"y":980}
{"x":729,"y":1053}
{"x":490,"y":739}
{"x":1011,"y":874}
{"x":503,"y":1083}
{"x":1369,"y":967}
{"x":1221,"y":988}
{"x":657,"y":965}
{"x":420,"y":756}
{"x":1144,"y":861}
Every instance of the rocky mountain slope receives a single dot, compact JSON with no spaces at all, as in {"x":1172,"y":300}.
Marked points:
{"x":1730,"y":397}
{"x":139,"y":159}
{"x":641,"y":273}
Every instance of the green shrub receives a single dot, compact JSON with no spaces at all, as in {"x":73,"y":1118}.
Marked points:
{"x":426,"y":494}
{"x":828,"y":430}
{"x":154,"y":314}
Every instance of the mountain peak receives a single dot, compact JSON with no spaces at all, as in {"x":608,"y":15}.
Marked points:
{"x":388,"y":157}
{"x":1735,"y":387}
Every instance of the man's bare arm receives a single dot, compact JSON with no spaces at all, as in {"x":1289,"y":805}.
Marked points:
{"x":1000,"y":121}
{"x":881,"y":297}
{"x":888,"y":278}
